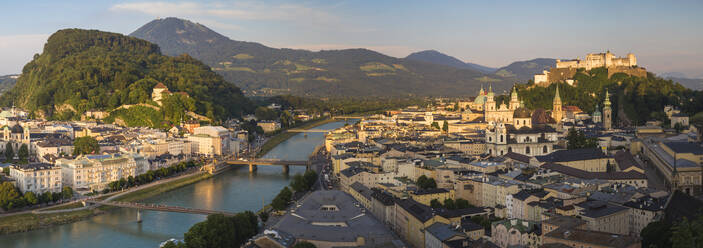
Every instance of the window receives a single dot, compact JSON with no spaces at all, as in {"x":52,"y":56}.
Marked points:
{"x":501,"y":138}
{"x":527,"y":150}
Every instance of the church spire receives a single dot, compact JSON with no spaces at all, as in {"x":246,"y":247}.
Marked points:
{"x":606,"y":102}
{"x":556,"y":96}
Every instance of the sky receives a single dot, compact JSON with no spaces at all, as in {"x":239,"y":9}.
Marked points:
{"x":666,"y":36}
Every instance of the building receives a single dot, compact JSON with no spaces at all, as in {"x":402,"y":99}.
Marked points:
{"x":332,"y":218}
{"x":37,"y":177}
{"x":516,"y":233}
{"x":269,"y":126}
{"x":438,"y":234}
{"x":677,"y":162}
{"x":157,"y":94}
{"x":586,"y":238}
{"x":565,"y":70}
{"x":595,"y":60}
{"x":425,"y":196}
{"x":585,"y":159}
{"x":212,"y":140}
{"x":604,"y":217}
{"x":494,"y":112}
{"x":94,"y":172}
{"x":527,"y":140}
{"x":412,"y":218}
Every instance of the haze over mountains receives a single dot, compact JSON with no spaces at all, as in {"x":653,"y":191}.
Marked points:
{"x":262,"y":70}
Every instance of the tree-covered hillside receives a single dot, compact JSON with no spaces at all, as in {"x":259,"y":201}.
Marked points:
{"x":641,"y":99}
{"x":82,"y":70}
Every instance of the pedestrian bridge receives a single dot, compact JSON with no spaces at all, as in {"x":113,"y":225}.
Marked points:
{"x":156,"y":207}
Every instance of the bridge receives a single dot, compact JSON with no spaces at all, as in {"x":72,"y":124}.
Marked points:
{"x":275,"y":162}
{"x":309,"y":131}
{"x":348,"y":117}
{"x":156,"y":207}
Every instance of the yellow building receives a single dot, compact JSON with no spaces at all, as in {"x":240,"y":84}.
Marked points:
{"x":425,"y":196}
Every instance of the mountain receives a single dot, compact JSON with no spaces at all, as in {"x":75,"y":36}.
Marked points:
{"x":525,"y":70}
{"x":81,"y":70}
{"x":691,"y":83}
{"x":435,"y":57}
{"x":262,"y":70}
{"x":7,"y":82}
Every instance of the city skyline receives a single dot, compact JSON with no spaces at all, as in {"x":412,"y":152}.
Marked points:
{"x":664,"y":36}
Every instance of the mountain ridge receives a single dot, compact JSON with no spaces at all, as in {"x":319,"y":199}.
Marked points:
{"x":436,"y":57}
{"x":262,"y":70}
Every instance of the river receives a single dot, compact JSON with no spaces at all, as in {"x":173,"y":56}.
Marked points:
{"x":234,"y":191}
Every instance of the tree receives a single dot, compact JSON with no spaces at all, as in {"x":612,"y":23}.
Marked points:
{"x":310,"y":177}
{"x":174,"y":244}
{"x":280,"y":202}
{"x":66,"y":192}
{"x":10,"y":196}
{"x":688,"y":233}
{"x":435,"y":125}
{"x":23,"y":154}
{"x":445,"y":126}
{"x":449,"y":203}
{"x":85,"y":145}
{"x":31,"y":198}
{"x":462,"y":203}
{"x":216,"y":231}
{"x":426,"y":183}
{"x":434,"y":203}
{"x":298,"y":183}
{"x":264,"y":216}
{"x":6,"y":170}
{"x":456,"y":106}
{"x":304,"y":244}
{"x":576,"y":139}
{"x":9,"y":153}
{"x":656,"y":234}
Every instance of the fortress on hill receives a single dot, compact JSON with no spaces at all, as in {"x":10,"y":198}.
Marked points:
{"x":565,"y":70}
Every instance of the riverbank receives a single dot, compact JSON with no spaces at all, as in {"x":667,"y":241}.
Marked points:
{"x":284,"y":135}
{"x":32,"y":221}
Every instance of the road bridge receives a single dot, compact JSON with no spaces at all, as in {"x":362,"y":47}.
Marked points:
{"x":156,"y":207}
{"x":273,"y":162}
{"x":308,"y":131}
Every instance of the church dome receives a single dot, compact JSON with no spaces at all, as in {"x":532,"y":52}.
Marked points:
{"x":17,"y":129}
{"x":522,"y":112}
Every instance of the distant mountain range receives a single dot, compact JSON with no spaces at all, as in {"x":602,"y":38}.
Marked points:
{"x":7,"y":82}
{"x":691,"y":83}
{"x":435,"y":57}
{"x":262,"y":70}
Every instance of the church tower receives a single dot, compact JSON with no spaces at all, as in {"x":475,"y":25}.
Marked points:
{"x":607,"y":112}
{"x":514,"y":102}
{"x":490,"y":102}
{"x":557,"y":113}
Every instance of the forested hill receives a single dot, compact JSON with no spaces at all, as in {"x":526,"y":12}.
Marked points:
{"x":639,"y":99}
{"x":82,"y":70}
{"x":259,"y":69}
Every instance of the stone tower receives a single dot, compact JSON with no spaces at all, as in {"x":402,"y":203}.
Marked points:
{"x":557,"y":113}
{"x":607,"y":112}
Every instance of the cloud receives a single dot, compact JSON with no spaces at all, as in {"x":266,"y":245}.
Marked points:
{"x":17,"y":50}
{"x":232,"y":11}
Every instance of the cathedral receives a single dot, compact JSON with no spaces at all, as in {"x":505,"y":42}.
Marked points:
{"x":494,"y":112}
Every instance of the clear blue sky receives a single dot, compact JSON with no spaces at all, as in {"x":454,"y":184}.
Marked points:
{"x":666,"y":36}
